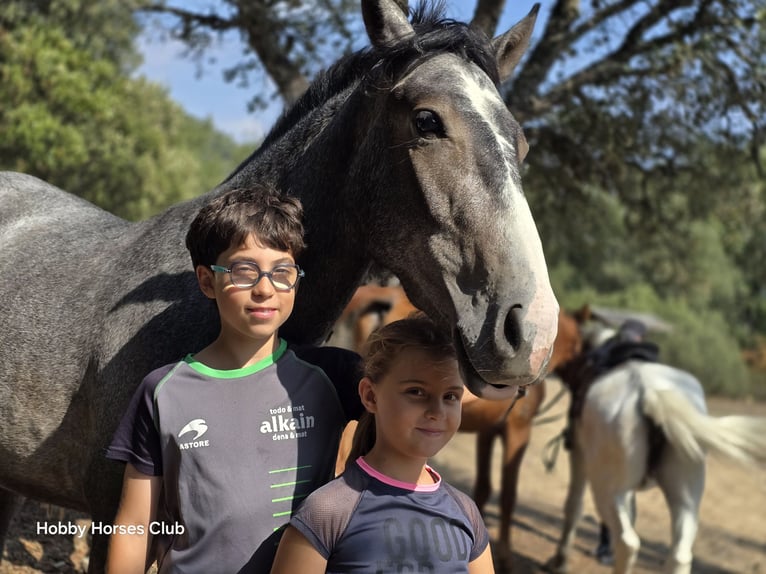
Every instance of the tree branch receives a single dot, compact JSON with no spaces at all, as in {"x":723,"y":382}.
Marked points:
{"x":487,"y":15}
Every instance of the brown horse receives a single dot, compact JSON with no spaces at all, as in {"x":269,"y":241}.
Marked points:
{"x":373,"y":306}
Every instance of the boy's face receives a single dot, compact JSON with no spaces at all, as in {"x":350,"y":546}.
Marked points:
{"x":250,"y":314}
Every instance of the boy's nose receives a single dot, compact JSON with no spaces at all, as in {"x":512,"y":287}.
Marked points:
{"x":263,"y":287}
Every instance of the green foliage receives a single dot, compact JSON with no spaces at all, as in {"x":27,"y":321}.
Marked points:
{"x":105,"y":29}
{"x":703,"y":344}
{"x":79,"y":123}
{"x":701,"y":341}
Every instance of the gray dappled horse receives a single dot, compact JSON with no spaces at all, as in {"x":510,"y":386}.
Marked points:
{"x":403,"y":154}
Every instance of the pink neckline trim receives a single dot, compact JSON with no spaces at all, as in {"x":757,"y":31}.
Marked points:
{"x":398,"y":483}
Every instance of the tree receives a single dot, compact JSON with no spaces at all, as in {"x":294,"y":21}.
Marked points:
{"x":289,"y":41}
{"x":105,"y":29}
{"x":72,"y":116}
{"x":705,"y":53}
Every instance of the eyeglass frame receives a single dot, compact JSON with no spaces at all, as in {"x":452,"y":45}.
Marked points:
{"x":261,"y":274}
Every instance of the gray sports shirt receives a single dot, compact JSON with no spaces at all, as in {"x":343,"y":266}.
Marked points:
{"x":365,"y":522}
{"x":237,"y":450}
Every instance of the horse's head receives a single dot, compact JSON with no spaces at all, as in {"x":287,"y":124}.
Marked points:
{"x":449,"y":188}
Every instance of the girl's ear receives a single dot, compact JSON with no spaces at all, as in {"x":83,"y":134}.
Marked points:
{"x":206,"y":280}
{"x":367,"y":394}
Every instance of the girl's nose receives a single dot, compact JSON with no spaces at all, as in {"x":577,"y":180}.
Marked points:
{"x":435,"y":409}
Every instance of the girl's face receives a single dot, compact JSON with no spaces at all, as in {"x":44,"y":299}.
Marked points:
{"x":416,"y":405}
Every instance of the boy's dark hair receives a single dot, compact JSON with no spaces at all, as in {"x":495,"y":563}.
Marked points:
{"x":275,"y":220}
{"x":416,"y":331}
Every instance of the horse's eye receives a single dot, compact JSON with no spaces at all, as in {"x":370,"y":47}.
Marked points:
{"x":428,"y":124}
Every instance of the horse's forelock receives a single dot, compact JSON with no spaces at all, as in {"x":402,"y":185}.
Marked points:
{"x":435,"y":34}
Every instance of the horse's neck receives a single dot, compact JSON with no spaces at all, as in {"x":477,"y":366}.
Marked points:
{"x":165,"y":232}
{"x":312,"y":162}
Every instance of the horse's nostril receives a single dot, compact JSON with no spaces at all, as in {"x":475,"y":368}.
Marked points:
{"x":513,"y":327}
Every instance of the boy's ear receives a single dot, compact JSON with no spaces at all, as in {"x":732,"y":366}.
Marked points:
{"x":206,"y":280}
{"x":367,"y":394}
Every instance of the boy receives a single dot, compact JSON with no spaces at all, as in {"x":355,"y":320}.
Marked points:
{"x":222,"y":446}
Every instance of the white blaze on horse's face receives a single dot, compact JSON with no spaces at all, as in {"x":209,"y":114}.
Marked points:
{"x":475,"y":262}
{"x":468,"y":170}
{"x":484,"y":103}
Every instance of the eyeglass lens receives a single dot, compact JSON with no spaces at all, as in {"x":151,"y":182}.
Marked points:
{"x":248,"y":274}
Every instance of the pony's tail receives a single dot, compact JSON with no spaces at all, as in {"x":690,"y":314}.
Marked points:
{"x":740,"y":438}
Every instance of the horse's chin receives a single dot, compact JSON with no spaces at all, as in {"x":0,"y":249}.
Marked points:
{"x":476,"y":383}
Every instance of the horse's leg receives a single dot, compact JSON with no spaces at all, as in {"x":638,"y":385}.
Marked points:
{"x":617,"y":513}
{"x":682,"y":482}
{"x":485,"y":440}
{"x":516,"y":435}
{"x":604,"y":549}
{"x":514,"y":445}
{"x":572,"y":507}
{"x":9,"y":504}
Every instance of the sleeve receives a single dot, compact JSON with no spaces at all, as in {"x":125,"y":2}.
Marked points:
{"x":137,"y":438}
{"x":325,"y":514}
{"x":343,"y":368}
{"x":471,"y":511}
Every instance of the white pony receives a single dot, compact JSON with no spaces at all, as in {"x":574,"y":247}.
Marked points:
{"x":645,"y":424}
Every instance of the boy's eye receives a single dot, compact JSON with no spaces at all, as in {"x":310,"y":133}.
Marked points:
{"x":416,"y":392}
{"x":452,"y":397}
{"x":245,"y":270}
{"x":283,"y":271}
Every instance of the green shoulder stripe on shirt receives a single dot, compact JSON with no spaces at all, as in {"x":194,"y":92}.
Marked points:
{"x":236,"y":373}
{"x":165,"y":378}
{"x":157,"y":390}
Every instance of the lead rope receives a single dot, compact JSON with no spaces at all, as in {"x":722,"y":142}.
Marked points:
{"x":548,"y":406}
{"x":522,"y":392}
{"x":554,"y":445}
{"x":551,"y":450}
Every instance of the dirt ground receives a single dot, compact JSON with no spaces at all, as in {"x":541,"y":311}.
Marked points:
{"x":731,"y":538}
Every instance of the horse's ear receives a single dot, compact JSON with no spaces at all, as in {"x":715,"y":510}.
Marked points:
{"x":386,"y":21}
{"x":510,"y":47}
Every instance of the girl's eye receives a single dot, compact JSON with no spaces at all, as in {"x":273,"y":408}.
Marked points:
{"x":415,"y":392}
{"x":452,"y":397}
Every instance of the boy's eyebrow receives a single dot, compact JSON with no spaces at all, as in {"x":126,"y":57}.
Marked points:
{"x":278,"y":261}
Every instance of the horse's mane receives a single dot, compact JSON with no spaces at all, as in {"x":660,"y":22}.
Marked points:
{"x":433,"y":34}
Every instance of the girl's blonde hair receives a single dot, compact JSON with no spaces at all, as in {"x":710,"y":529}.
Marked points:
{"x":417,"y":331}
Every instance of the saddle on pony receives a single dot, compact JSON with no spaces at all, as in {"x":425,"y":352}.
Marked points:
{"x":626,"y":345}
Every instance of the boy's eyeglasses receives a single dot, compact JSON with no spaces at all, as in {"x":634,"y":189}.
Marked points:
{"x":246,"y":275}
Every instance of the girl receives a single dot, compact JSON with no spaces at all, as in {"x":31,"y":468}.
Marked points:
{"x":389,"y":511}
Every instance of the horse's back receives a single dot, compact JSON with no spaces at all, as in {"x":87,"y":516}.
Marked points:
{"x":34,"y":210}
{"x":56,"y":248}
{"x":629,"y":381}
{"x":21,"y":193}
